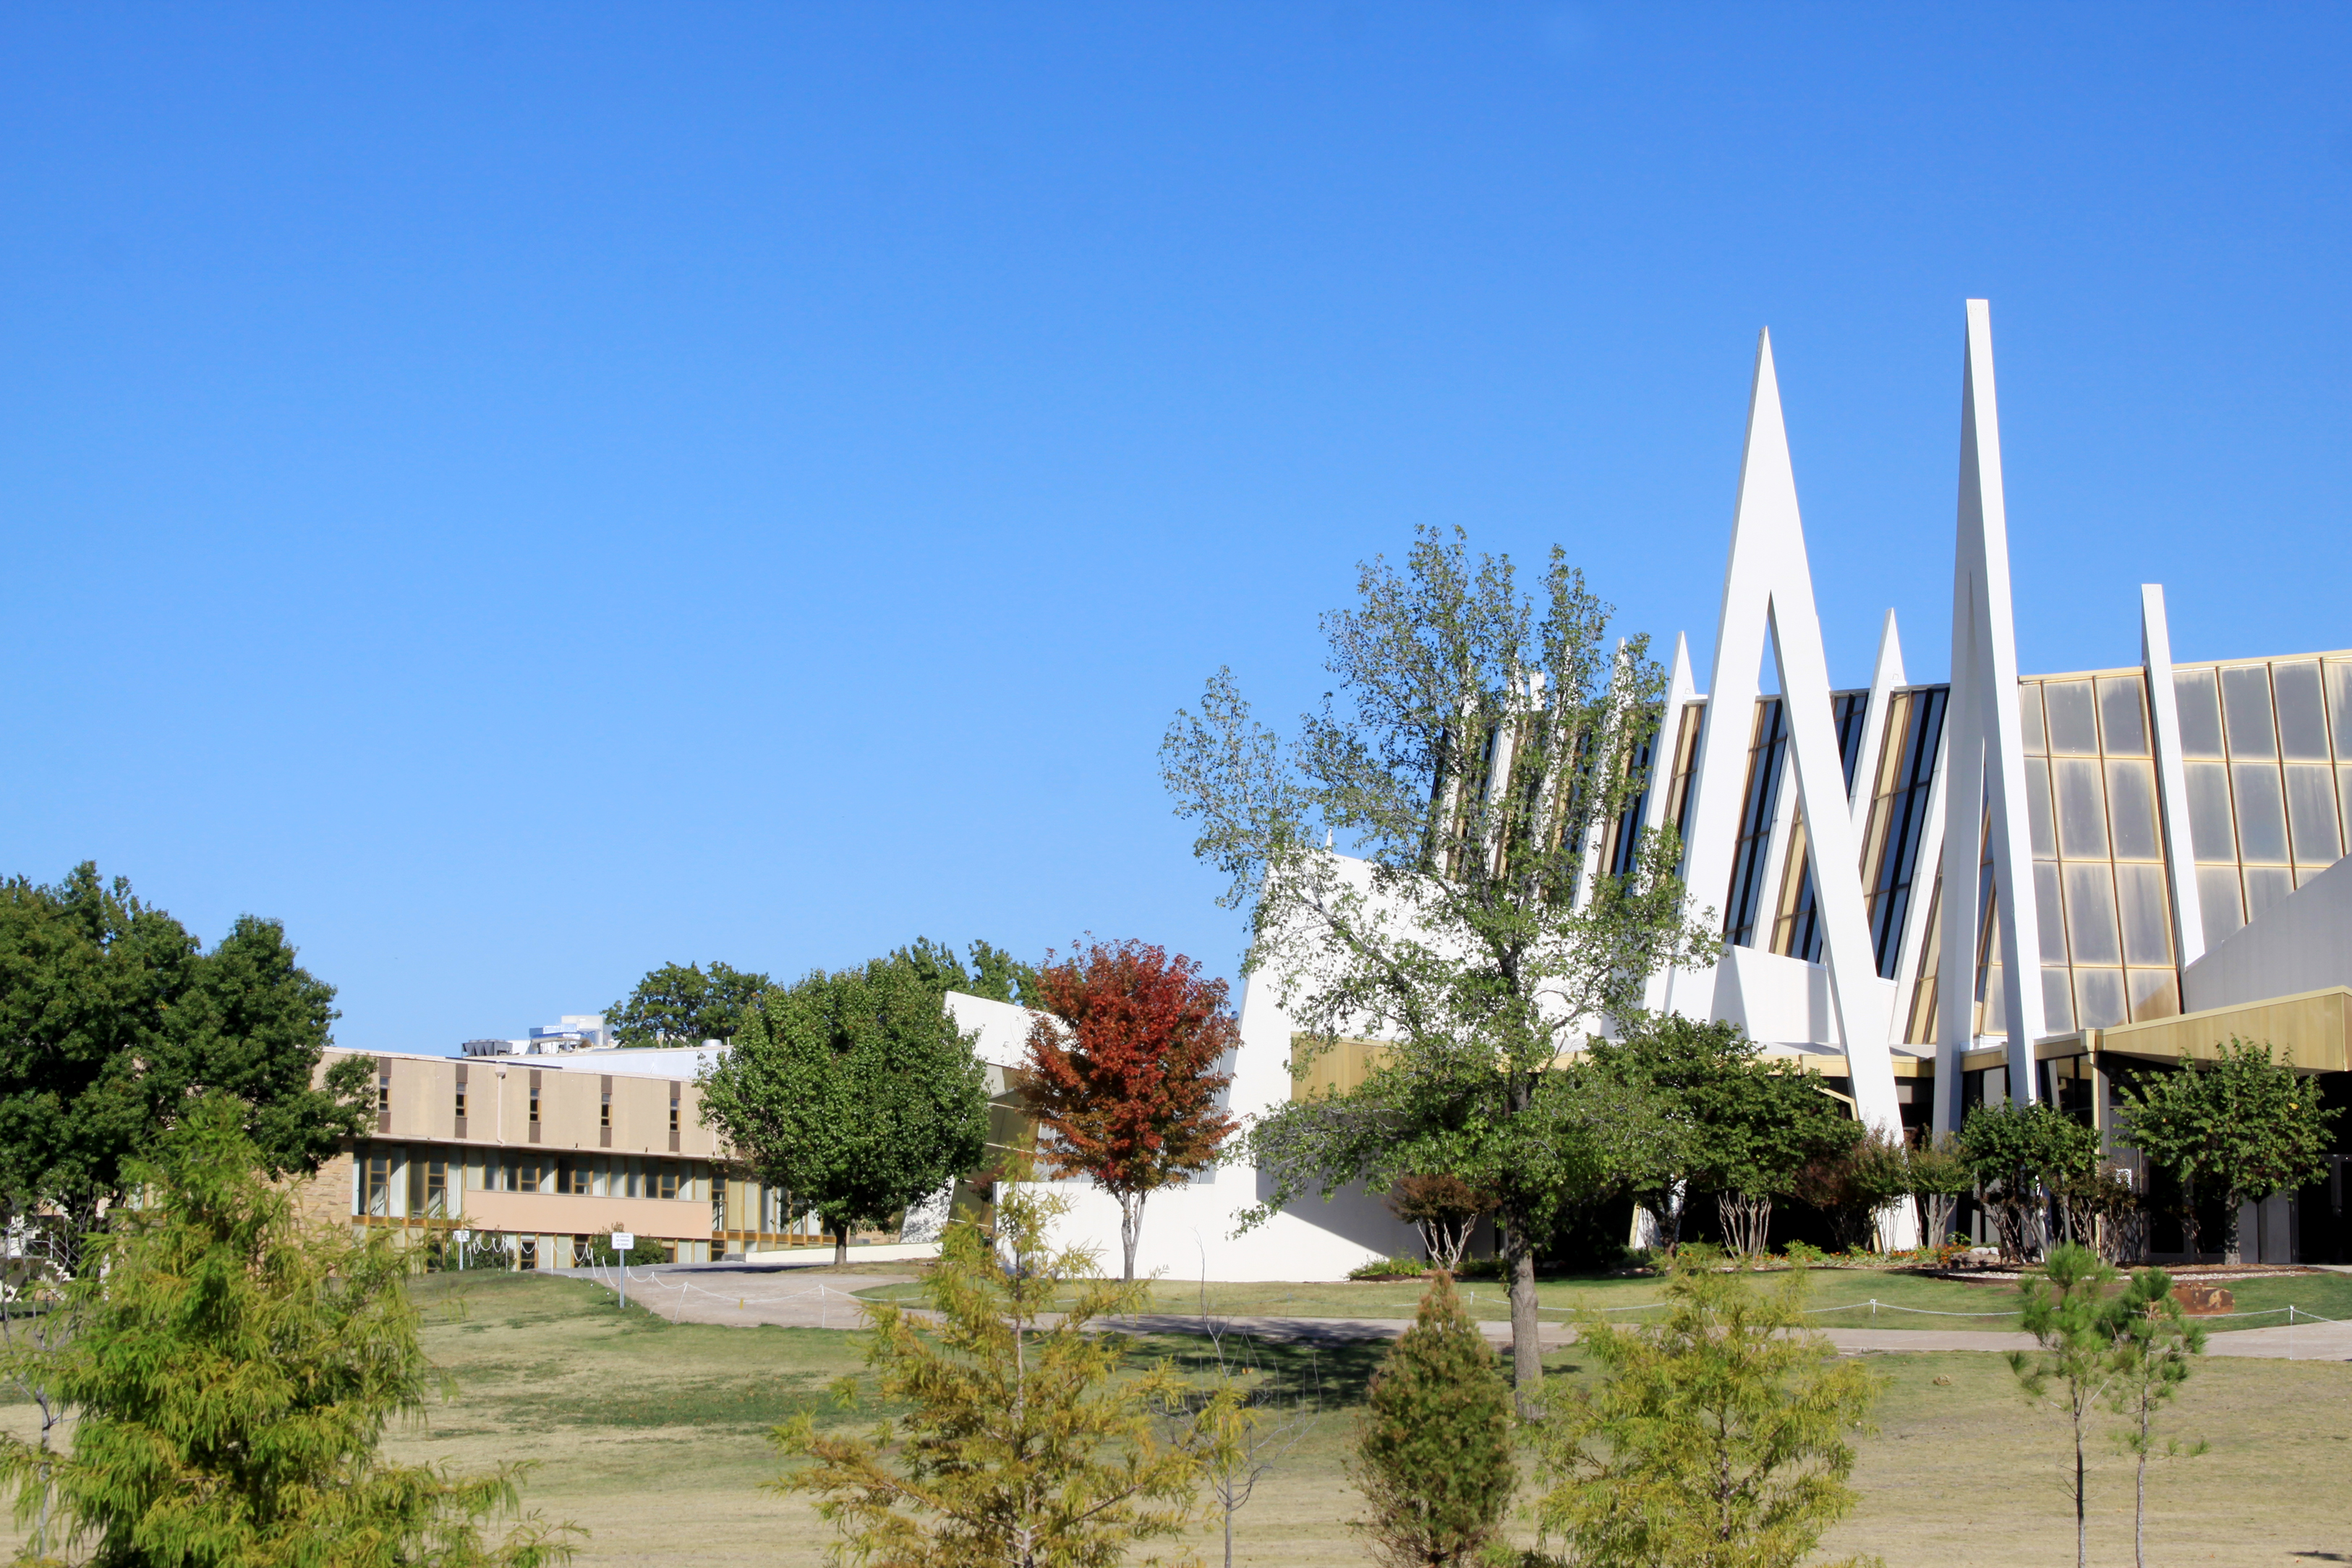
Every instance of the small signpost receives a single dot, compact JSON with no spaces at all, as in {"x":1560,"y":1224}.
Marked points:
{"x":461,"y":1237}
{"x":624,"y":1242}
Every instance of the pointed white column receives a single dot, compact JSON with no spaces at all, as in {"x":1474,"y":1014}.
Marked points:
{"x":1886,"y":675}
{"x":1768,"y":591}
{"x":1988,"y":757}
{"x":2171,"y":777}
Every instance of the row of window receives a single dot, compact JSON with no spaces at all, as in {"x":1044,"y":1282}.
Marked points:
{"x":393,"y":1180}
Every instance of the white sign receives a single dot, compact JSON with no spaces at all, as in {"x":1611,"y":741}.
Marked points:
{"x":462,"y":1236}
{"x":623,"y":1241}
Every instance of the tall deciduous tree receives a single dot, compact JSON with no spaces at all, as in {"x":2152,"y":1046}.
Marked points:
{"x":113,"y":1021}
{"x":1124,"y":1072}
{"x":993,"y":972}
{"x":1714,"y":1439}
{"x":1021,"y":1444}
{"x":1478,"y":743}
{"x":854,"y":1092}
{"x":684,"y":1005}
{"x":234,"y":1376}
{"x":2243,"y":1123}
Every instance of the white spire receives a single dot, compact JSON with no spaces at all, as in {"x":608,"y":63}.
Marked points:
{"x":1987,"y":760}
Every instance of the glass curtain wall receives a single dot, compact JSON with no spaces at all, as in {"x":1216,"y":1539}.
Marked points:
{"x":2267,"y":749}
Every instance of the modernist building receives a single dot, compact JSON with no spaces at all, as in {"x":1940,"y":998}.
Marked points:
{"x":532,"y":1157}
{"x":2150,"y":859}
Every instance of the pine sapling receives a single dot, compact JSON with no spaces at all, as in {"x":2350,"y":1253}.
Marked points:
{"x":1434,"y":1451}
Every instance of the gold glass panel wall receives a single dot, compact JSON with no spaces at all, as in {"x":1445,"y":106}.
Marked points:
{"x":2264,"y":746}
{"x":2103,"y":903}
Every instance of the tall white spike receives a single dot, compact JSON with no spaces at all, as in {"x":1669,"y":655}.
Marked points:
{"x":1987,"y":759}
{"x":1769,"y":592}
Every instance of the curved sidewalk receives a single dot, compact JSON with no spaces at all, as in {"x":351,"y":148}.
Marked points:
{"x":746,"y":1295}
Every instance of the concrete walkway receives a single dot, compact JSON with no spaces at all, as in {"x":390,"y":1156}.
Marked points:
{"x":744,"y":1294}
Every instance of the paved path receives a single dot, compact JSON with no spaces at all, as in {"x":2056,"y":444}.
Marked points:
{"x":803,"y":1298}
{"x":745,"y":1294}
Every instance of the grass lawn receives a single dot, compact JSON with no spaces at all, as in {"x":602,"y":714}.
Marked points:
{"x":1839,"y":1295}
{"x":652,"y":1435}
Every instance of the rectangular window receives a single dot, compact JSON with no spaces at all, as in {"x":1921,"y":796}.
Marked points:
{"x":2200,"y":712}
{"x":527,"y":1254}
{"x":669,"y":1187}
{"x":2082,"y":809}
{"x":2209,"y":813}
{"x":2029,"y":718}
{"x":2142,"y":898}
{"x":383,"y":1087}
{"x":2246,"y":705}
{"x":379,"y":1183}
{"x":2123,"y":715}
{"x":527,"y":1172}
{"x":2131,"y":810}
{"x":672,"y":1114}
{"x":1760,"y":800}
{"x":2262,"y":813}
{"x":1899,"y":816}
{"x":2302,"y":716}
{"x":2311,"y":810}
{"x":2073,"y":724}
{"x":1687,"y":736}
{"x":436,"y":1188}
{"x":461,"y":1099}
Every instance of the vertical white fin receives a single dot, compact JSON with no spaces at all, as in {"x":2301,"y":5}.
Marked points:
{"x":2171,"y":777}
{"x":1988,"y":758}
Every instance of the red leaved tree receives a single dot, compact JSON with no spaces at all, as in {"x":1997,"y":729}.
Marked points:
{"x":1125,"y":1063}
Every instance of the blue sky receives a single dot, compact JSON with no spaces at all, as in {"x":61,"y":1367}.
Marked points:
{"x":523,"y":495}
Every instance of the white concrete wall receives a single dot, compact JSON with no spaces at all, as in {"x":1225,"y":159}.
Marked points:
{"x":2302,"y":944}
{"x":1190,"y":1231}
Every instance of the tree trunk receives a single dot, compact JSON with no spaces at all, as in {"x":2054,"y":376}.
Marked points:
{"x":1130,"y":1229}
{"x":2233,"y":1243}
{"x":2191,"y":1243}
{"x":841,"y":1245}
{"x":1527,"y":1324}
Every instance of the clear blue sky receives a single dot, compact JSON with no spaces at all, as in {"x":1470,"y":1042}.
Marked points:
{"x":523,"y":495}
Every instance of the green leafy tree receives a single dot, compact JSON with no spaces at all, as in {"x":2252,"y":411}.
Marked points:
{"x":1732,"y":1121}
{"x":993,"y":972}
{"x":1434,"y":1449}
{"x":2156,"y":1347}
{"x":1476,"y":743}
{"x":1940,"y":1177}
{"x":2243,"y":1123}
{"x":234,"y":1376}
{"x":2067,"y":1309}
{"x":1445,"y":1209}
{"x":1575,"y":1137}
{"x":683,"y":1004}
{"x":2020,"y":1154}
{"x":113,"y":1021}
{"x":1715,"y":1438}
{"x":854,"y":1092}
{"x":1023,"y":1445}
